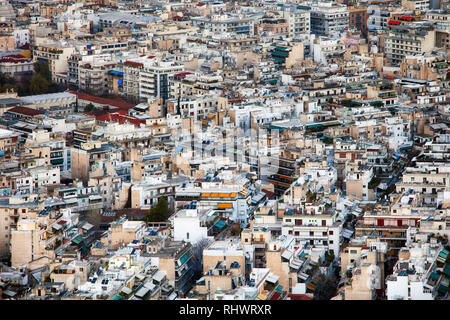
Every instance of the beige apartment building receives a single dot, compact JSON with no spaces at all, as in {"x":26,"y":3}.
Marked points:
{"x":56,"y":55}
{"x":408,"y":40}
{"x":364,"y":258}
{"x":30,"y":242}
{"x":123,"y":232}
{"x":10,"y":214}
{"x":226,"y":251}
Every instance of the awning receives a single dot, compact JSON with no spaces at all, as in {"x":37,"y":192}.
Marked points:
{"x":272,"y":278}
{"x":280,"y":54}
{"x":261,"y":296}
{"x":184,"y":258}
{"x":57,"y":226}
{"x":142,"y":292}
{"x":126,"y":290}
{"x":220,"y":224}
{"x":224,"y":205}
{"x":78,"y":239}
{"x":159,"y":276}
{"x":87,"y":226}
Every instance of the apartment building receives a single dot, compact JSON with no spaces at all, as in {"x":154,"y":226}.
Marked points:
{"x":60,"y":103}
{"x":146,"y":79}
{"x":225,"y":23}
{"x":298,"y":20}
{"x":123,"y":232}
{"x":411,"y":39}
{"x":30,"y":242}
{"x":422,"y":5}
{"x":228,"y":201}
{"x":329,"y":19}
{"x":357,"y":18}
{"x":365,"y":259}
{"x":192,"y":225}
{"x":441,"y":25}
{"x":313,"y":226}
{"x":56,"y":55}
{"x":414,"y":275}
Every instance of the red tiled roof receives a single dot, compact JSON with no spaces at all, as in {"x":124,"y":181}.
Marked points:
{"x":134,"y":64}
{"x":116,"y":117}
{"x":269,"y":194}
{"x":104,"y":101}
{"x":299,"y":297}
{"x":25,"y":111}
{"x":275,"y":296}
{"x":14,"y":58}
{"x":182,"y":74}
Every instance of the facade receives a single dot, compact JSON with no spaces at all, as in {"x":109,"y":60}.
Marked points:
{"x":404,"y":40}
{"x":328,"y":19}
{"x":298,"y":20}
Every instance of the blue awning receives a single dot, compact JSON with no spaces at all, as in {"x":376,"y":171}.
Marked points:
{"x":220,"y":224}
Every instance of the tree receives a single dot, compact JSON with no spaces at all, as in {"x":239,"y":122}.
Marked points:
{"x":43,"y":69}
{"x":325,"y":288}
{"x":90,"y":107}
{"x":158,"y":213}
{"x":197,"y":256}
{"x":38,"y":84}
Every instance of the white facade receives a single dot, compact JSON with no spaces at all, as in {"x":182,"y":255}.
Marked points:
{"x":21,"y":37}
{"x":188,"y":226}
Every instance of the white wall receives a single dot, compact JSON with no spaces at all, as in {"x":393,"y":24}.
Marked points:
{"x":397,"y":289}
{"x":183,"y":226}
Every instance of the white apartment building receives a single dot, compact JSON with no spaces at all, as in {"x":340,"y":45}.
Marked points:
{"x":45,"y":176}
{"x":410,"y":278}
{"x":329,"y":19}
{"x":324,"y":49}
{"x":315,"y":227}
{"x":147,"y":78}
{"x":299,"y":21}
{"x":191,"y":225}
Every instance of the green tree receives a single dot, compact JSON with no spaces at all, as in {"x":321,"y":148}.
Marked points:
{"x":38,"y":84}
{"x":43,"y":68}
{"x":325,"y":288}
{"x":158,"y":213}
{"x":90,"y":107}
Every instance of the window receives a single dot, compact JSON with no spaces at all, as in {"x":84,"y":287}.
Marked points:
{"x":187,"y":235}
{"x":331,"y":232}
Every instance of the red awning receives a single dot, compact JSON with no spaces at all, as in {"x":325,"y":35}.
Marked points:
{"x":394,"y":22}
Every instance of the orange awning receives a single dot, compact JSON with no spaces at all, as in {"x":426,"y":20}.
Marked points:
{"x":224,"y":205}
